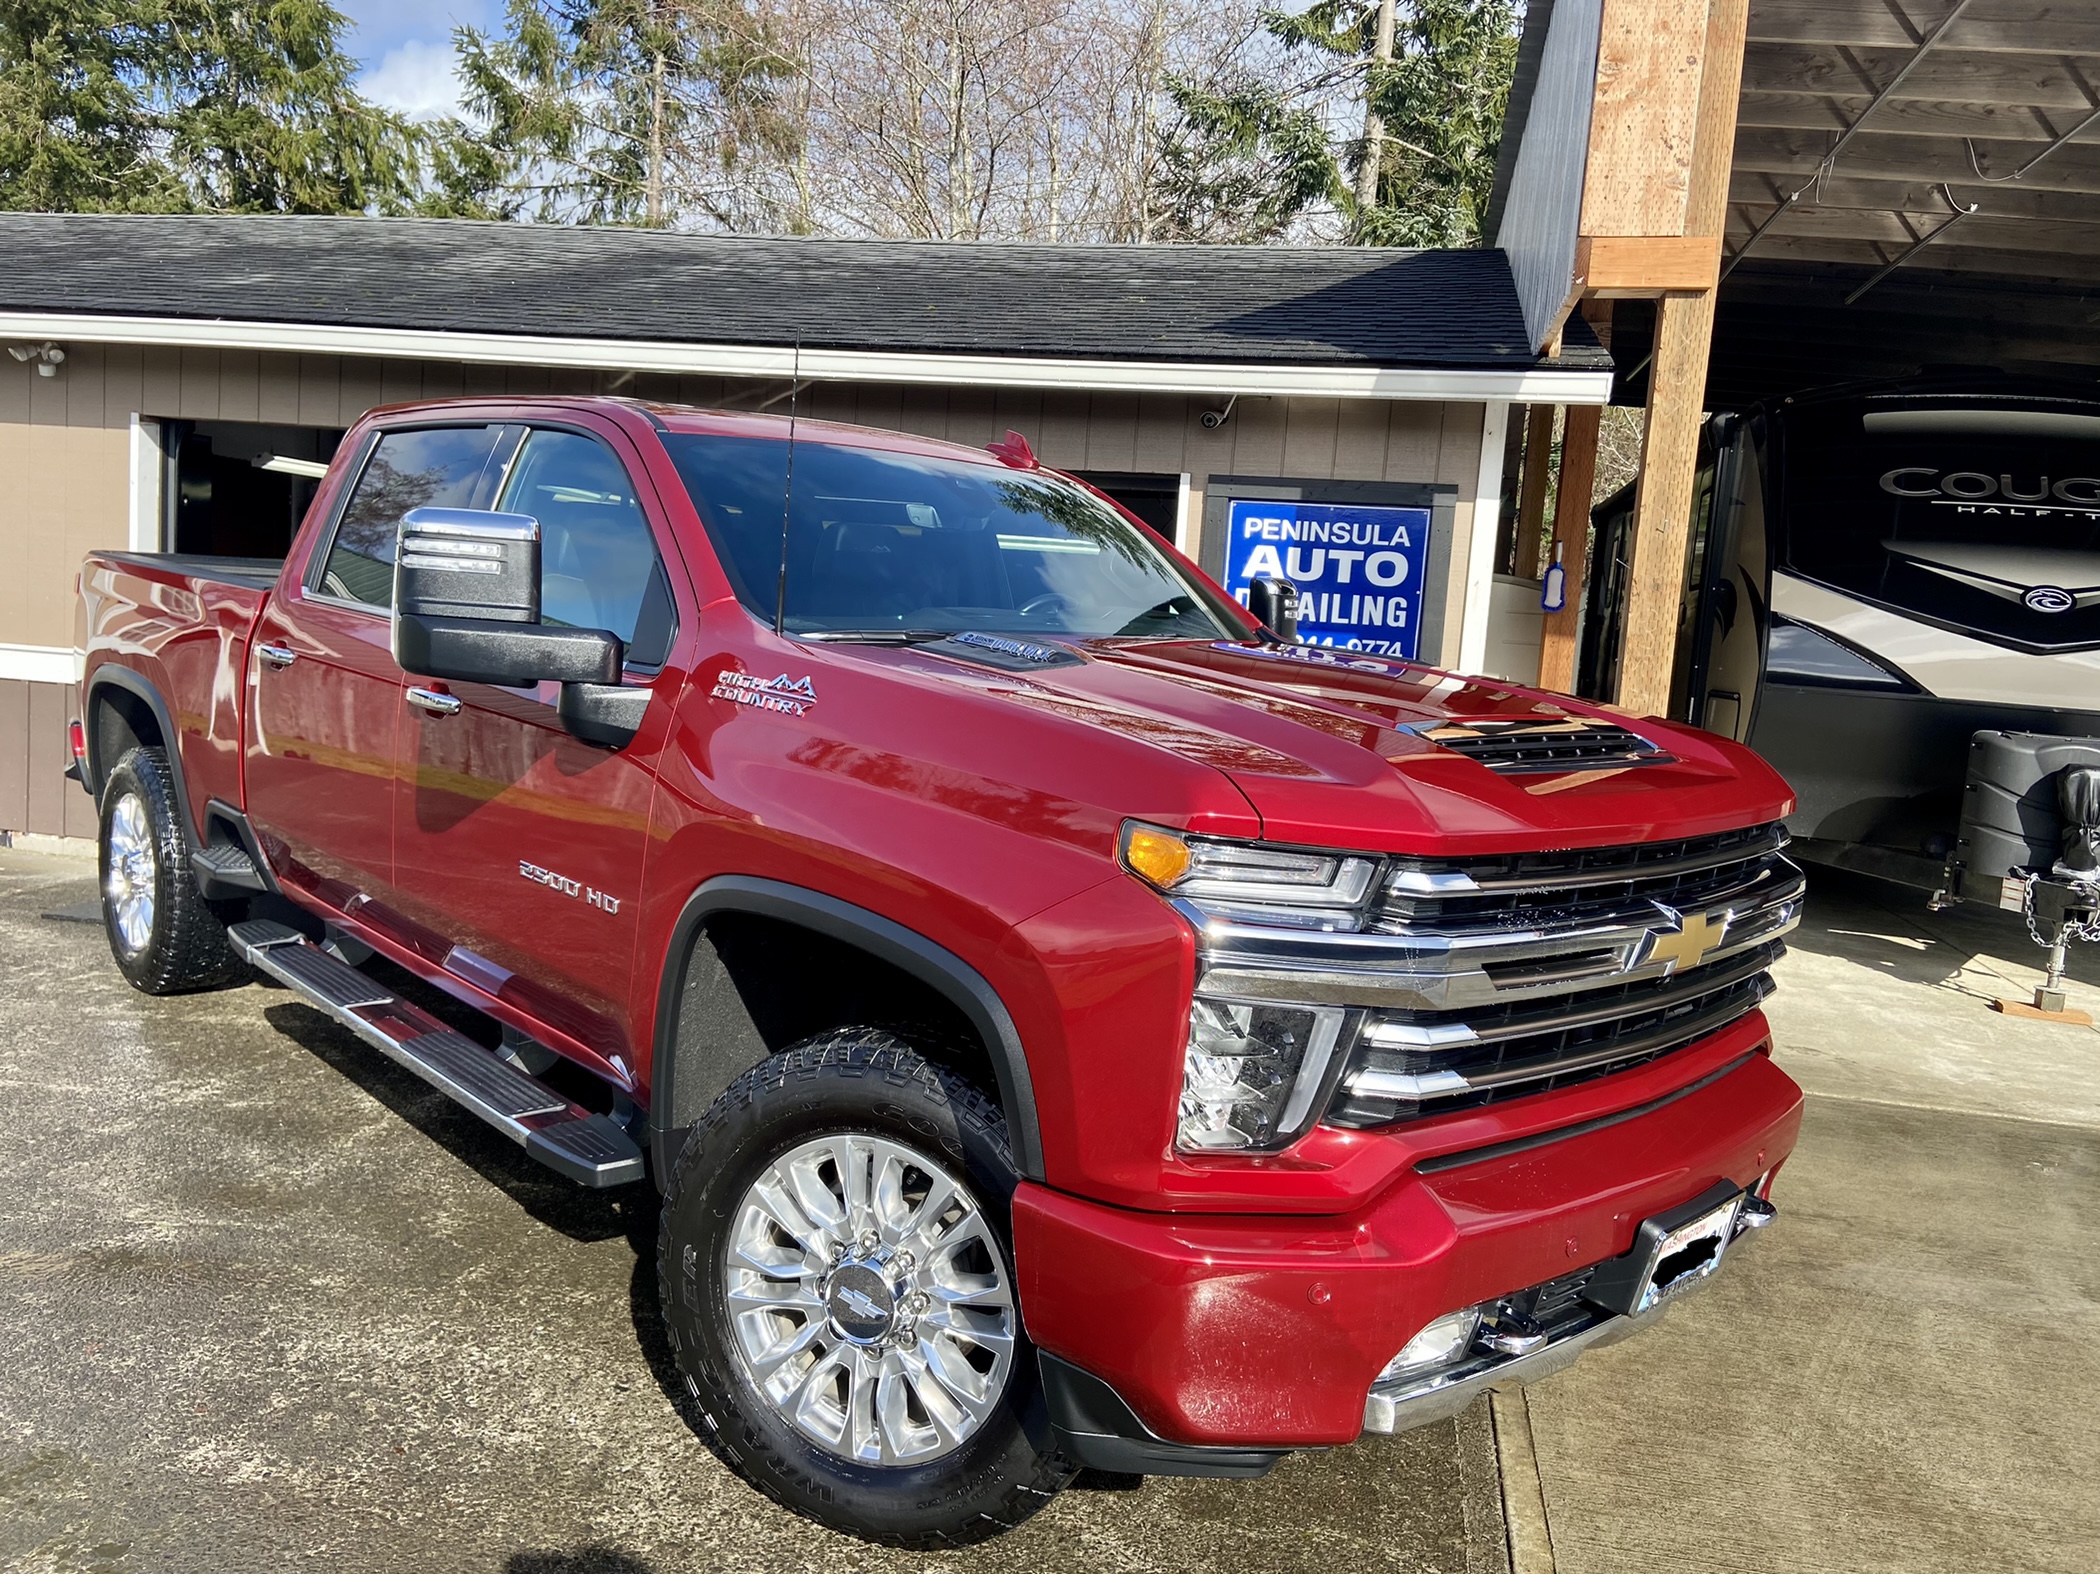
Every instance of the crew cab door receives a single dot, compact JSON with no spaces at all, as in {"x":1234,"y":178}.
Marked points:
{"x":324,"y":692}
{"x":517,"y":846}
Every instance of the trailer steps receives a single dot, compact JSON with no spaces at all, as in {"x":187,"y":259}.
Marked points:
{"x":588,"y":1148}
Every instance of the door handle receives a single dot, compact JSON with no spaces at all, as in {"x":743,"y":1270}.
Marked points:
{"x":279,"y":656}
{"x":435,"y":703}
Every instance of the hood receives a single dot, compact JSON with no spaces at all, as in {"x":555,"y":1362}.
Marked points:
{"x":1334,"y":748}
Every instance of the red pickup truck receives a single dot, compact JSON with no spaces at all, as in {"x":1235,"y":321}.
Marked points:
{"x":1069,"y":1023}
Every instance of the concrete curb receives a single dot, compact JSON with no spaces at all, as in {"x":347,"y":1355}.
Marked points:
{"x":1480,"y":1491}
{"x":49,"y":846}
{"x":1523,"y":1494}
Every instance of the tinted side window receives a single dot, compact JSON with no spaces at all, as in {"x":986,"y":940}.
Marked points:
{"x":438,"y":468}
{"x":598,"y":562}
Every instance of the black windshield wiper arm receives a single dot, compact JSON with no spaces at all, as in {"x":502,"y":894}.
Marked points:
{"x":874,"y":636}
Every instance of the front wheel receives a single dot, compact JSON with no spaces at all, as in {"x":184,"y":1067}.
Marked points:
{"x":838,"y":1286}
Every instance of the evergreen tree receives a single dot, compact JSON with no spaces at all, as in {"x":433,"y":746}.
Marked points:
{"x":610,"y":112}
{"x":1433,"y":77}
{"x":191,"y":105}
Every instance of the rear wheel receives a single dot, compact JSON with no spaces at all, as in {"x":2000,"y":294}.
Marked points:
{"x":166,"y":938}
{"x":838,"y":1286}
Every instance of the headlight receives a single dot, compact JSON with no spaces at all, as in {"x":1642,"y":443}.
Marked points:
{"x":1251,"y":1072}
{"x":1301,"y":888}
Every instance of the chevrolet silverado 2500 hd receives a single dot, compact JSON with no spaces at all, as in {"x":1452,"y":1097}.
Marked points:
{"x":1069,"y":1024}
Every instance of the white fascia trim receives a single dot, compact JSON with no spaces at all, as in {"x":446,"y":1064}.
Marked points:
{"x":1477,"y":606}
{"x":39,"y":663}
{"x":1281,"y":380}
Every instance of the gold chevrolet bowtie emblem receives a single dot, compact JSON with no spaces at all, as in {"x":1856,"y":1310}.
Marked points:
{"x":1696,"y":935}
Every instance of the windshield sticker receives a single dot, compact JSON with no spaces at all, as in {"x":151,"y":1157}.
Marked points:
{"x":788,"y":696}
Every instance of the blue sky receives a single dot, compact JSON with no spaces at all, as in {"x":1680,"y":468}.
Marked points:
{"x":406,"y":47}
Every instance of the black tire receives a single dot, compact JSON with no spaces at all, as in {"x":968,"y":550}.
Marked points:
{"x":175,"y":942}
{"x":855,"y":1082}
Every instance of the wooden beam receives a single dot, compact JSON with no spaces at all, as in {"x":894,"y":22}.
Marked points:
{"x":2010,"y":27}
{"x":1949,"y":75}
{"x":1531,"y":495}
{"x":1720,"y":98}
{"x":1558,"y":646}
{"x":1662,"y":509}
{"x":1622,"y":267}
{"x":1642,"y":117}
{"x":1879,"y":155}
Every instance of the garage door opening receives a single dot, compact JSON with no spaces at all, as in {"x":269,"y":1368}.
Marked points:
{"x":240,"y":488}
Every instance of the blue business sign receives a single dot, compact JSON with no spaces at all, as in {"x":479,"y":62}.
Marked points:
{"x":1358,"y":568}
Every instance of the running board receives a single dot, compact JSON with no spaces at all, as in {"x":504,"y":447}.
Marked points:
{"x":589,"y":1149}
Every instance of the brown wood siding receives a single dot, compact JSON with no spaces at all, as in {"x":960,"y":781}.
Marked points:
{"x":65,"y":440}
{"x":35,"y":794}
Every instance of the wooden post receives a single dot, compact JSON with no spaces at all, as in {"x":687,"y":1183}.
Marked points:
{"x":1662,"y":507}
{"x":1531,"y":497}
{"x":1571,"y":533}
{"x":1662,"y":510}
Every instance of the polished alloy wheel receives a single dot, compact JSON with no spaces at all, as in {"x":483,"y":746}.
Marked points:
{"x":133,"y":872}
{"x":869,"y":1301}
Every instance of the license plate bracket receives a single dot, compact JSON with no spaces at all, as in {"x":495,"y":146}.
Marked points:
{"x":1671,"y":1252}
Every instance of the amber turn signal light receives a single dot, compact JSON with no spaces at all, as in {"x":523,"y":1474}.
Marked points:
{"x":1158,"y":856}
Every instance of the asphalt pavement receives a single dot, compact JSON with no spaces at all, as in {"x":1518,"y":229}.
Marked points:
{"x":267,"y":1302}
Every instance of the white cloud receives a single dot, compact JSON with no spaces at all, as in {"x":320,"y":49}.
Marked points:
{"x":419,"y":79}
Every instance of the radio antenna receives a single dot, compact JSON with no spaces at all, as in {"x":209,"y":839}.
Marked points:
{"x":787,"y":497}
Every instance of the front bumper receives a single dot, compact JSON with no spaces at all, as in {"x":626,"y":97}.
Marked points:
{"x":1269,"y":1332}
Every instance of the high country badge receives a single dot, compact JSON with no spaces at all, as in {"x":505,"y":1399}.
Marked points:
{"x":789,"y":696}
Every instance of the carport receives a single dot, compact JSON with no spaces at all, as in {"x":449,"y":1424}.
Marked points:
{"x":1751,"y":197}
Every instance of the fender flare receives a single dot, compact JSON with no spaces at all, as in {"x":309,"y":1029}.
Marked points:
{"x":139,"y":687}
{"x":889,"y":941}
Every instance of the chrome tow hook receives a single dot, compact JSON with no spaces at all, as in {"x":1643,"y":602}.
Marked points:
{"x":1754,"y":1214}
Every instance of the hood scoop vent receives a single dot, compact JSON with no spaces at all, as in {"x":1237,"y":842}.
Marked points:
{"x":1528,"y":747}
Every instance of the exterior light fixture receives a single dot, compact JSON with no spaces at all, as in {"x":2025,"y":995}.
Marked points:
{"x":46,"y":357}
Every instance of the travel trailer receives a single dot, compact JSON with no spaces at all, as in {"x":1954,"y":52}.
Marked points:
{"x":1878,"y":573}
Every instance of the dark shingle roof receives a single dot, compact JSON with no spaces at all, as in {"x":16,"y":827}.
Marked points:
{"x":1334,"y":306}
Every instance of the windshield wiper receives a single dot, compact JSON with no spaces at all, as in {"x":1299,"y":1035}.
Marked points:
{"x":874,"y":636}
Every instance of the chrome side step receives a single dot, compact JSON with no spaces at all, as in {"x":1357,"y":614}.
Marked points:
{"x":588,"y":1148}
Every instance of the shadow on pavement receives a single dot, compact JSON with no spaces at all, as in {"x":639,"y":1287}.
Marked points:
{"x":579,"y":1560}
{"x":580,"y":1214}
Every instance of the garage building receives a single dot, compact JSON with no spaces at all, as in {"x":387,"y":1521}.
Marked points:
{"x":176,"y":381}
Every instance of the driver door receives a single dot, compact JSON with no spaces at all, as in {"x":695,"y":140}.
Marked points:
{"x":519,"y":848}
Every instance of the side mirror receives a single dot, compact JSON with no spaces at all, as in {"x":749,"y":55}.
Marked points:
{"x":467,"y":605}
{"x":1274,"y":603}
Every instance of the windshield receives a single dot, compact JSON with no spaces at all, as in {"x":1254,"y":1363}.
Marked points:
{"x":889,"y":543}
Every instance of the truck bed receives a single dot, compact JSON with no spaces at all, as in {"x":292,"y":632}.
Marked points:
{"x":253,"y":573}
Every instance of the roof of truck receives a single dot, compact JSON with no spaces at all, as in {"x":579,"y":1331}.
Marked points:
{"x":1265,"y":305}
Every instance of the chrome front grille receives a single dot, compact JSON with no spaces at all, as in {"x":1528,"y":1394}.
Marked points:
{"x":1470,"y":981}
{"x":1463,"y":893}
{"x":1410,"y":1065}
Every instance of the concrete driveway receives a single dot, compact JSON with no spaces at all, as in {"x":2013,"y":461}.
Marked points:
{"x":1903,"y":1374}
{"x":267,"y":1302}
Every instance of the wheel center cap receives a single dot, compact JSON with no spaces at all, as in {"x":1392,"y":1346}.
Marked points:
{"x":861,"y":1303}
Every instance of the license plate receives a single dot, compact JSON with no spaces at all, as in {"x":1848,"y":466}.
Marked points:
{"x":1688,"y":1254}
